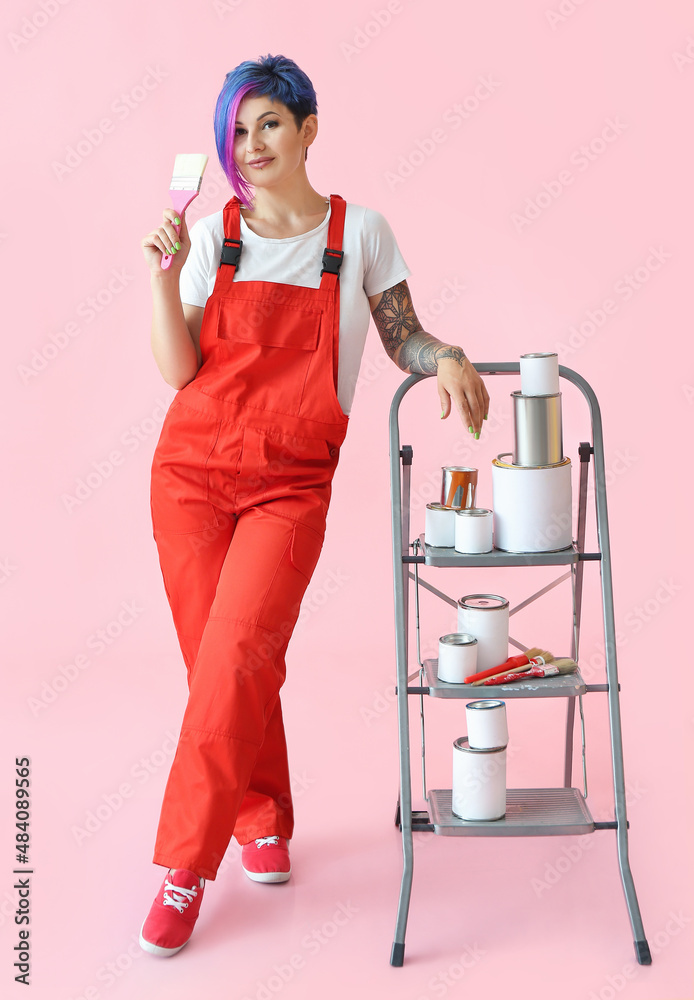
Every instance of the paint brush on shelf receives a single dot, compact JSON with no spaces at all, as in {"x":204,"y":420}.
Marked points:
{"x":520,"y":662}
{"x":562,"y":665}
{"x":185,"y":185}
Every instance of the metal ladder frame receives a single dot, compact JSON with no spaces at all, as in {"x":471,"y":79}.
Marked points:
{"x":400,"y":512}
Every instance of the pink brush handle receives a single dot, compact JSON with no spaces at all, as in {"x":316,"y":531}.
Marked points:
{"x":180,"y":200}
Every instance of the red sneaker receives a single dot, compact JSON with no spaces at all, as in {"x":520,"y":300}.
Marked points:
{"x":173,"y":914}
{"x":267,"y":859}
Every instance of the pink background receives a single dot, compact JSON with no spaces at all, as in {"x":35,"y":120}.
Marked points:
{"x":536,"y":81}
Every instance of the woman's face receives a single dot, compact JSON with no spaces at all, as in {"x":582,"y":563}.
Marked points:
{"x":266,"y":131}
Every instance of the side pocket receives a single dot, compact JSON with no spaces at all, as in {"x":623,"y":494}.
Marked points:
{"x":305,"y":549}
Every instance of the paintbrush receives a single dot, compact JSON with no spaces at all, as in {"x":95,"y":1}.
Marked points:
{"x":519,"y":662}
{"x":562,"y":665}
{"x":185,"y":185}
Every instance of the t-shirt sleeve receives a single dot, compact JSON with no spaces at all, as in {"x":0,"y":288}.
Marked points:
{"x":195,"y":273}
{"x":384,"y":265}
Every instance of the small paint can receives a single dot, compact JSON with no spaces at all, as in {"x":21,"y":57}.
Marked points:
{"x":486,"y":724}
{"x":458,"y":486}
{"x":479,"y":782}
{"x":537,"y":430}
{"x":457,"y":657}
{"x":486,"y":617}
{"x":473,"y":530}
{"x":539,"y":374}
{"x":439,"y":525}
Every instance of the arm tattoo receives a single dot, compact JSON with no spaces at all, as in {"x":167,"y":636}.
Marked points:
{"x":412,"y":349}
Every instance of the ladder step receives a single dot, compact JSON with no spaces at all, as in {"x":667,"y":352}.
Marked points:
{"x":530,"y":812}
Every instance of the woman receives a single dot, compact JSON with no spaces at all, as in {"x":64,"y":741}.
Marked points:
{"x":274,"y":289}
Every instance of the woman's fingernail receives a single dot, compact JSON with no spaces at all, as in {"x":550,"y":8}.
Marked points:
{"x":172,"y":250}
{"x":442,"y":414}
{"x":477,"y":436}
{"x":177,"y":221}
{"x":470,"y":429}
{"x":177,"y":245}
{"x":485,"y":416}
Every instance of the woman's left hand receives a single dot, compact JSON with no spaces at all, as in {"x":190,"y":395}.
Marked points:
{"x":461,"y":383}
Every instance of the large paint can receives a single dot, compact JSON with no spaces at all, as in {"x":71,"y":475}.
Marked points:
{"x":479,"y":782}
{"x":539,"y":374}
{"x":457,"y":657}
{"x":537,"y":431}
{"x":486,"y":617}
{"x":473,"y":530}
{"x":458,"y":486}
{"x":439,"y":525}
{"x":486,"y":724}
{"x":532,"y":507}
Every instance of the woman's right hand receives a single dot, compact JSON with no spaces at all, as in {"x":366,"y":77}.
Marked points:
{"x":160,"y":241}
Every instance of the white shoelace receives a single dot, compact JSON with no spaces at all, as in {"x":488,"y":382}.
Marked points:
{"x":262,"y":841}
{"x":180,"y":896}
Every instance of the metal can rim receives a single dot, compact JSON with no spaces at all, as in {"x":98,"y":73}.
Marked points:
{"x":465,"y":639}
{"x":541,"y":354}
{"x":494,"y":597}
{"x":485,"y":703}
{"x":473,"y":511}
{"x":458,"y":745}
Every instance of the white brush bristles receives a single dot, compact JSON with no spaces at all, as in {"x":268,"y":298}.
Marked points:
{"x":188,"y":171}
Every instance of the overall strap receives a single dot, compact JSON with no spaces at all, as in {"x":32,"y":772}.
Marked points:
{"x":232,"y":244}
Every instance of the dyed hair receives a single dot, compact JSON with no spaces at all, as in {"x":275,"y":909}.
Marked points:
{"x":276,"y":77}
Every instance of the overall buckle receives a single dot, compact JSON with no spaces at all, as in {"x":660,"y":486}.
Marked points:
{"x":231,"y":252}
{"x":332,"y":259}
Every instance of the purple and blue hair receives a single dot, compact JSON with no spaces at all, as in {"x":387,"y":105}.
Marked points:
{"x":276,"y":77}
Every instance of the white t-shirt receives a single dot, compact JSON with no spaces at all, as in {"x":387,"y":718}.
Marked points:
{"x":372,"y":262}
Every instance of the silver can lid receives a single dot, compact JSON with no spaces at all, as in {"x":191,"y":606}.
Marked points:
{"x":458,"y":639}
{"x":486,"y":703}
{"x":473,"y":511}
{"x":548,"y":354}
{"x":483,"y":602}
{"x":439,"y":506}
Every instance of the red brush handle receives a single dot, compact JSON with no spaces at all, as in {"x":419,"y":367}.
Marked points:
{"x":513,"y":661}
{"x":532,"y":671}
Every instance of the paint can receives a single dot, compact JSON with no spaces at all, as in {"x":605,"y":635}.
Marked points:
{"x":537,"y":430}
{"x":473,"y":530}
{"x":457,"y":657}
{"x":539,"y":374}
{"x":439,"y":525}
{"x":532,"y":507}
{"x":458,"y":486}
{"x":486,"y":724}
{"x":479,"y":782}
{"x":486,"y":617}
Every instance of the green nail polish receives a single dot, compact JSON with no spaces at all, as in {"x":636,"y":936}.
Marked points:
{"x":485,"y":416}
{"x":177,"y":221}
{"x":442,"y":414}
{"x":477,"y":436}
{"x":172,"y":251}
{"x":470,"y":429}
{"x":177,"y":245}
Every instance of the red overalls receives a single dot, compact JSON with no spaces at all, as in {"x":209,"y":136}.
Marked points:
{"x":241,"y":482}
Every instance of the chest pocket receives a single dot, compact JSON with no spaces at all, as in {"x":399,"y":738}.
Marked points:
{"x":263,"y":352}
